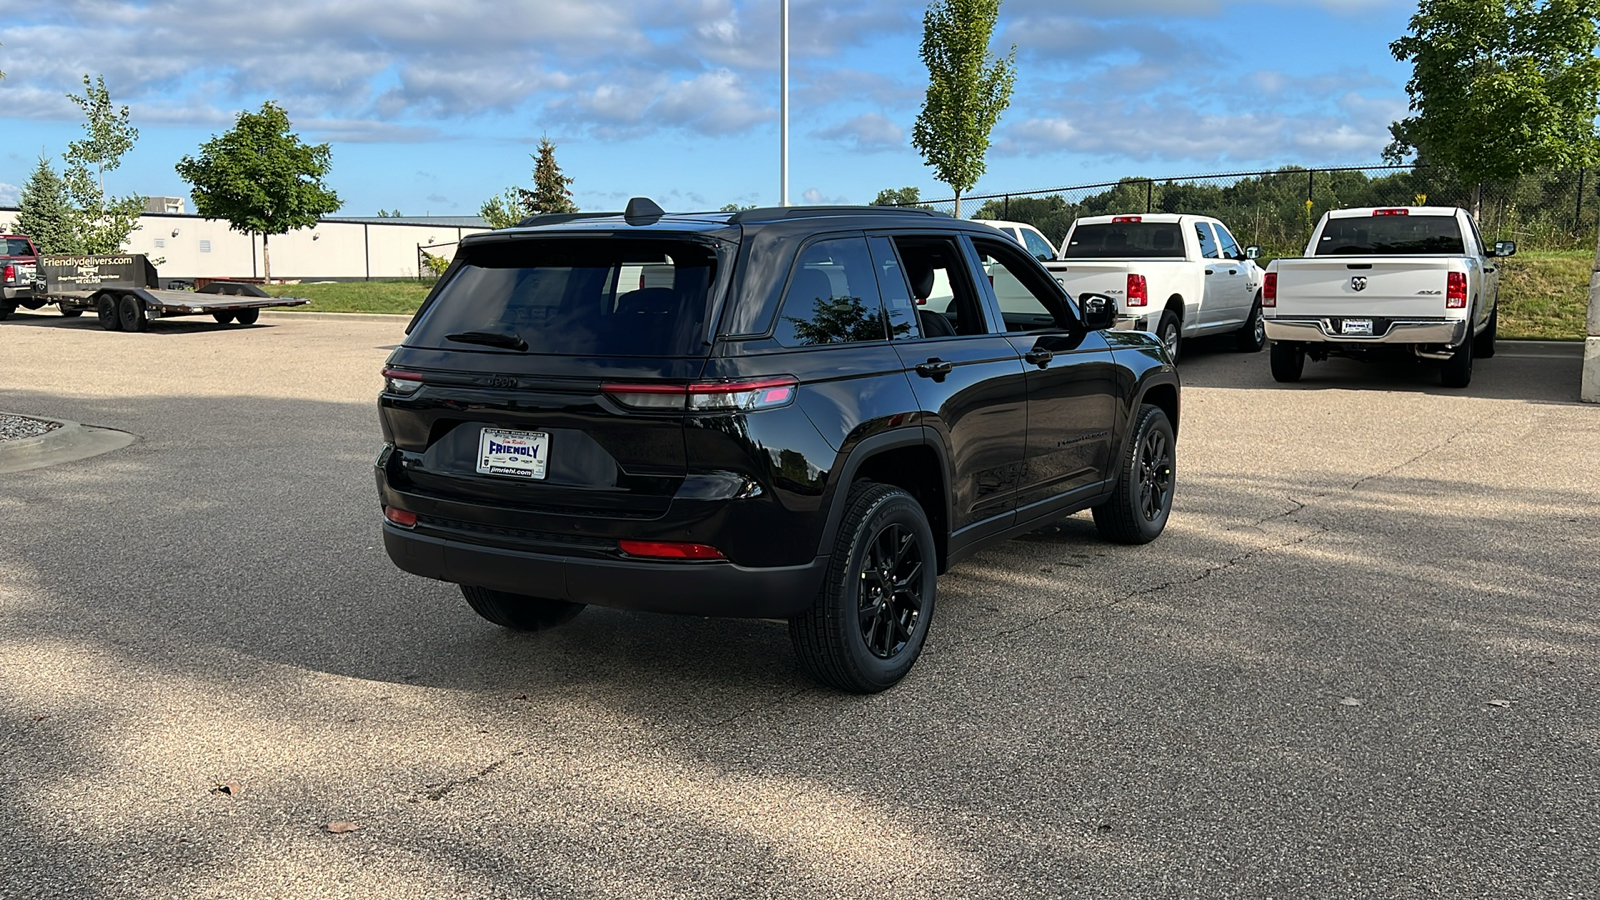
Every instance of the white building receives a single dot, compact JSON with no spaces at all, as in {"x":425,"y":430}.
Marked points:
{"x":339,"y":248}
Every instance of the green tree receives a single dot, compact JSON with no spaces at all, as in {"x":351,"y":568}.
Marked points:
{"x":968,"y":89}
{"x":734,"y":207}
{"x":503,"y":210}
{"x":261,"y":178}
{"x":1501,"y":88}
{"x":549,"y":194}
{"x":102,"y":223}
{"x":1052,"y":215}
{"x":46,"y":214}
{"x":906,"y":196}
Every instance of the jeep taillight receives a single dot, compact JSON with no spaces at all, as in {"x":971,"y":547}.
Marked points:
{"x":399,"y":381}
{"x":1455,"y":292}
{"x":746,"y":395}
{"x":1269,"y":289}
{"x":1138,"y":291}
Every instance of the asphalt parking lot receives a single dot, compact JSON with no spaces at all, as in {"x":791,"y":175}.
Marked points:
{"x":1364,"y":661}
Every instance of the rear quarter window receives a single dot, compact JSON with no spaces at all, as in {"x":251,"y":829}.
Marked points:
{"x":577,"y":297}
{"x":832,"y":297}
{"x":15,"y":247}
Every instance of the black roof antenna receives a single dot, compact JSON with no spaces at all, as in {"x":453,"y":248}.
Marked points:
{"x":642,"y":211}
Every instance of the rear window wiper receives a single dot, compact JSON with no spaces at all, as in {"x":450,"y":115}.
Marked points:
{"x":489,"y":338}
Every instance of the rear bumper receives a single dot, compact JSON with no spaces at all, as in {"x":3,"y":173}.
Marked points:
{"x":693,"y":588}
{"x":21,"y":292}
{"x":1327,"y":330}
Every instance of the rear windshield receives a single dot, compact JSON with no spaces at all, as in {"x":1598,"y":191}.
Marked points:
{"x":1121,"y":240}
{"x":1368,"y":235}
{"x":582,"y":297}
{"x":14,"y":247}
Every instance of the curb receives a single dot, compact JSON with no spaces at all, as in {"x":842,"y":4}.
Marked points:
{"x":69,"y":443}
{"x":335,"y":316}
{"x":1540,"y":349}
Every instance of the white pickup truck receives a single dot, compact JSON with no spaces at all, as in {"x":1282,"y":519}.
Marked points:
{"x":1413,"y":281}
{"x":1179,"y":276}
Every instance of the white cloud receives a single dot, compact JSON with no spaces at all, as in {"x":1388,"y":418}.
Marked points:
{"x":814,"y":197}
{"x":10,"y":194}
{"x":866,"y":133}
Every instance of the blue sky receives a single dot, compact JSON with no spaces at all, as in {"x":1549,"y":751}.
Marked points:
{"x":432,"y":107}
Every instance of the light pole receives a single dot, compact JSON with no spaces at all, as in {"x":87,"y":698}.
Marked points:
{"x":783,"y":107}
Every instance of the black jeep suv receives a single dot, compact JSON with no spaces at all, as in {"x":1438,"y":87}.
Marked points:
{"x":798,"y":413}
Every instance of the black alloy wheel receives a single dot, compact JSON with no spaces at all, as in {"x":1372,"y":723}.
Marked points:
{"x":106,"y":309}
{"x":1146,"y":482}
{"x":869,"y":622}
{"x":890,"y":599}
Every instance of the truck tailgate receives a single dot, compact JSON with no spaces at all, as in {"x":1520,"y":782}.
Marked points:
{"x":1378,"y":286}
{"x":1100,"y":276}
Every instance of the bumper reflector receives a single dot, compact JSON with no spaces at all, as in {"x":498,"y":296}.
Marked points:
{"x":402,"y":517}
{"x":669,"y":550}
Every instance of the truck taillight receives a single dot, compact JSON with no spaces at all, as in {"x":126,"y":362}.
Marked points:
{"x":1391,"y":212}
{"x":1126,"y":220}
{"x":1455,"y":292}
{"x":9,"y":273}
{"x":1269,"y":289}
{"x":1138,"y":291}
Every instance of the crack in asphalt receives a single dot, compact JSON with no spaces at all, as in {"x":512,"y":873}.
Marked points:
{"x":439,"y":792}
{"x":1298,"y":507}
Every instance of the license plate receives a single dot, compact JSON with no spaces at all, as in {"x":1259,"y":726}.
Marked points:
{"x":1356,"y":326}
{"x":515,"y":454}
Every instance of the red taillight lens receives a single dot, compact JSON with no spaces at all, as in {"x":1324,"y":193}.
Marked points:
{"x":1269,"y":289}
{"x":399,"y":381}
{"x":9,"y":273}
{"x":747,"y":395}
{"x":1391,"y":212}
{"x":1126,"y":220}
{"x":1138,"y":291}
{"x":402,"y":517}
{"x":1455,"y":293}
{"x":669,"y":550}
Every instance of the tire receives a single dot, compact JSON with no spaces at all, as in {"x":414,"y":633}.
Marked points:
{"x":1253,"y":336}
{"x":1483,"y":344}
{"x":1288,"y":362}
{"x":69,"y":312}
{"x":1138,"y":509}
{"x":32,"y":304}
{"x":857,"y":637}
{"x":130,"y":313}
{"x":1457,"y":371}
{"x":518,"y":612}
{"x":1169,"y":328}
{"x":6,"y":309}
{"x":222,"y":318}
{"x":106,"y":309}
{"x":246,"y":316}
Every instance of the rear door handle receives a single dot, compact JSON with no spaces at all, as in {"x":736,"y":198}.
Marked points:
{"x":1210,"y":272}
{"x":1040,"y":358}
{"x":935,"y":368}
{"x":1233,"y":271}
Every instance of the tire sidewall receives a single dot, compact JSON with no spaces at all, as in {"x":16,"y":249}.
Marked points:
{"x":1152,"y":420}
{"x":896,"y":508}
{"x":1168,"y":318}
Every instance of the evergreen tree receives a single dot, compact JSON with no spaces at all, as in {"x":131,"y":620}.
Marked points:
{"x":549,"y":194}
{"x":46,"y":212}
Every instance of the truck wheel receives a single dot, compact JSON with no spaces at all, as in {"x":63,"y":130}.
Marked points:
{"x":1483,"y":344}
{"x":1288,"y":361}
{"x":1253,"y":336}
{"x":130,"y":312}
{"x":6,"y":309}
{"x":106,"y":308}
{"x":1170,"y":330}
{"x":870,"y":620}
{"x":517,"y":612}
{"x":247,"y":316}
{"x":1457,"y":371}
{"x":69,"y":312}
{"x":222,"y":318}
{"x":1137,"y":512}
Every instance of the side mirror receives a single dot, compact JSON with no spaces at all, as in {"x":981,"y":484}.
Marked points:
{"x":1099,"y":312}
{"x":1504,"y":248}
{"x":1252,"y":252}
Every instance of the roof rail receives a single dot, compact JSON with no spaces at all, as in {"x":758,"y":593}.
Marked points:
{"x":799,"y":212}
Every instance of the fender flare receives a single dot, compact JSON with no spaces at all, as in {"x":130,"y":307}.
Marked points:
{"x":1153,"y":379}
{"x":919,"y":436}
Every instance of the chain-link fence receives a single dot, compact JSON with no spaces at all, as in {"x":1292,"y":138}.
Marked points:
{"x":1277,"y":210}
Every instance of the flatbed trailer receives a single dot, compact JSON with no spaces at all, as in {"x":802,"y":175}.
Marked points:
{"x":123,"y":291}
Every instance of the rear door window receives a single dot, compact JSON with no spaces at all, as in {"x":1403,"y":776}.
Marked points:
{"x":1124,"y":240}
{"x":575,"y":297}
{"x":832,"y":297}
{"x":946,"y":300}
